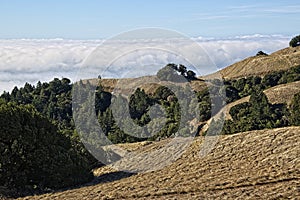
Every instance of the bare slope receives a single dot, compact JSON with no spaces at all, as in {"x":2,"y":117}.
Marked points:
{"x":253,"y":165}
{"x":262,"y":65}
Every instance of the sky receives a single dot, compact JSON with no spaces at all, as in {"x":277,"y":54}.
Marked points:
{"x":97,"y":19}
{"x":40,"y":40}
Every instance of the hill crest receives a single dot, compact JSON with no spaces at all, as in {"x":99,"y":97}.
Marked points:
{"x":262,"y":65}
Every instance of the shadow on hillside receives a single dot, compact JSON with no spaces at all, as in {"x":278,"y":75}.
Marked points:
{"x":105,"y":178}
{"x":112,"y":176}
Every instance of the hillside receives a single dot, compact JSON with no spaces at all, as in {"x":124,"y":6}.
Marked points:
{"x":258,"y":164}
{"x":276,"y":95}
{"x":262,"y":65}
{"x":263,"y":163}
{"x":283,"y":93}
{"x":148,"y":83}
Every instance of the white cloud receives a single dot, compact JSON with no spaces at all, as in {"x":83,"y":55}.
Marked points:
{"x":32,"y":60}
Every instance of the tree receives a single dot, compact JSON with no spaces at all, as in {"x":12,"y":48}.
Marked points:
{"x":271,"y":80}
{"x":34,"y":155}
{"x":295,"y":110}
{"x":139,"y":103}
{"x":295,"y":41}
{"x":168,"y":73}
{"x":261,"y":53}
{"x":176,"y":73}
{"x":232,"y":94}
{"x":173,"y":66}
{"x":163,"y":93}
{"x":182,"y":69}
{"x":190,"y":75}
{"x":256,"y":114}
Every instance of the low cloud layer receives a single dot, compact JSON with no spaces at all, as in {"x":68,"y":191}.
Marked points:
{"x":33,"y":60}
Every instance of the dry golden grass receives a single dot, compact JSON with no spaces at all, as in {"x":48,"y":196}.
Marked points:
{"x":252,"y":165}
{"x":283,"y":93}
{"x":148,"y":83}
{"x":262,"y":65}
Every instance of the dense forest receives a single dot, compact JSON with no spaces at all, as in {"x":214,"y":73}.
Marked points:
{"x":41,"y":148}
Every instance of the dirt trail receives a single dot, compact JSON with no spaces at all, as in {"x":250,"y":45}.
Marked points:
{"x":253,"y":165}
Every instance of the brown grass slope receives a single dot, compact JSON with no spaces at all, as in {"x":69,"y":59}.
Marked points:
{"x":252,"y":165}
{"x":148,"y":83}
{"x":262,"y":65}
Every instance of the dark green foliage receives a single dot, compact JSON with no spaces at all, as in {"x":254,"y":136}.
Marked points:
{"x":295,"y":110}
{"x":240,"y":110}
{"x":236,"y":89}
{"x":176,"y":73}
{"x":102,"y":99}
{"x":238,"y":84}
{"x":163,"y":93}
{"x":53,"y":100}
{"x":204,"y":105}
{"x":139,"y":104}
{"x":168,"y":73}
{"x":256,"y":114}
{"x":290,"y":75}
{"x":272,"y":79}
{"x":232,"y":94}
{"x":244,"y":87}
{"x":190,"y":75}
{"x":115,"y":125}
{"x":182,"y":69}
{"x":34,"y":156}
{"x":295,"y":41}
{"x":261,"y":53}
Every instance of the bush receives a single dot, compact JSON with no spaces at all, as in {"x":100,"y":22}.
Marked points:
{"x":295,"y":110}
{"x":261,"y":53}
{"x":176,"y":73}
{"x":256,"y":114}
{"x":295,"y":41}
{"x":34,"y":156}
{"x":168,"y":73}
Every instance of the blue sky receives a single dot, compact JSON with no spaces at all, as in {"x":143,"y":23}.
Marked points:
{"x":96,"y":19}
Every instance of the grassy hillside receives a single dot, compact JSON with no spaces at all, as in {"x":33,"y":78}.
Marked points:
{"x":251,"y":165}
{"x":262,"y":65}
{"x":276,"y":95}
{"x":148,"y":83}
{"x":283,"y":93}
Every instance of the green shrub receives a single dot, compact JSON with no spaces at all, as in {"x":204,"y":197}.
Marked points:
{"x":261,"y":53}
{"x":295,"y":110}
{"x":34,"y":156}
{"x":295,"y":41}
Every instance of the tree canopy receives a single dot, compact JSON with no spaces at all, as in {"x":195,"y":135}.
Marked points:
{"x":34,"y":155}
{"x":176,"y":73}
{"x":295,"y":41}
